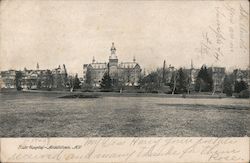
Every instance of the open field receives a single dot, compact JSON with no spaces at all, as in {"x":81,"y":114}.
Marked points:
{"x":37,"y":114}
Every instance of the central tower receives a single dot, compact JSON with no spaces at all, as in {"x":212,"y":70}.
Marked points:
{"x":113,"y":60}
{"x":113,"y":64}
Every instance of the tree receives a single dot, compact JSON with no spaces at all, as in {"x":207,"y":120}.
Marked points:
{"x":164,"y":73}
{"x":39,"y":83}
{"x":189,"y":82}
{"x":64,"y":76}
{"x":152,"y":81}
{"x":106,"y":82}
{"x":227,"y":86}
{"x":18,"y":80}
{"x":88,"y":77}
{"x":204,"y":81}
{"x":240,"y":86}
{"x":77,"y":82}
{"x":181,"y":81}
{"x":178,"y":82}
{"x":71,"y":83}
{"x":173,"y":82}
{"x":208,"y":79}
{"x":140,"y":80}
{"x":48,"y":79}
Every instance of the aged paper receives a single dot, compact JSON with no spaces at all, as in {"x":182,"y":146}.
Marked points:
{"x":185,"y":149}
{"x":44,"y":117}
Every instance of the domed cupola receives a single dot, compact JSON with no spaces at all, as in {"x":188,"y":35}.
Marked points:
{"x":113,"y":52}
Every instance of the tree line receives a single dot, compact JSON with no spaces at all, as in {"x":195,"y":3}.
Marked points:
{"x":181,"y":82}
{"x":48,"y":81}
{"x":177,"y":81}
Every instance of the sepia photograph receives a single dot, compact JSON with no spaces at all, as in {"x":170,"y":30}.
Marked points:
{"x":124,"y":68}
{"x":124,"y":81}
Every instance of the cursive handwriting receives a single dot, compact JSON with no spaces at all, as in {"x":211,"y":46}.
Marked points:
{"x":213,"y":40}
{"x":125,"y":149}
{"x":231,"y":19}
{"x":244,"y":29}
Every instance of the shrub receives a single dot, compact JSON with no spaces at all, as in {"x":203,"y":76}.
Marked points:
{"x":154,"y":91}
{"x":244,"y":94}
{"x":19,"y":88}
{"x":106,"y":90}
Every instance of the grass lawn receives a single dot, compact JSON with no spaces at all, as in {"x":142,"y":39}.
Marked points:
{"x":43,"y":115}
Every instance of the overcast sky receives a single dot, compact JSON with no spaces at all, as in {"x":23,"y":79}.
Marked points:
{"x":56,"y":32}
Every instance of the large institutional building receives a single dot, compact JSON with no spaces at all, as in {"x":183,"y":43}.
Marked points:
{"x":35,"y":79}
{"x":124,"y":73}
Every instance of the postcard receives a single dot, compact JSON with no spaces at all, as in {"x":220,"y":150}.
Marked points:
{"x":124,"y":81}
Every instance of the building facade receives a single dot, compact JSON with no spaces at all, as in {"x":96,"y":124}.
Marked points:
{"x":123,"y":73}
{"x":7,"y":79}
{"x":241,"y":75}
{"x":59,"y":77}
{"x":35,"y":78}
{"x":30,"y":78}
{"x":192,"y":74}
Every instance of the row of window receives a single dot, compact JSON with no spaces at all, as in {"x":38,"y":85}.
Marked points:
{"x":219,"y":70}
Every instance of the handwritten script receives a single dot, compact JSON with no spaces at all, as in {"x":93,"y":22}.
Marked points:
{"x":125,"y":149}
{"x":244,"y":29}
{"x":228,"y":33}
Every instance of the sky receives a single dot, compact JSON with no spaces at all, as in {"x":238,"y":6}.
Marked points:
{"x":56,"y":32}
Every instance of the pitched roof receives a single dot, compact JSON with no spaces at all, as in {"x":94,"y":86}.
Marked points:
{"x":99,"y":65}
{"x":127,"y":65}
